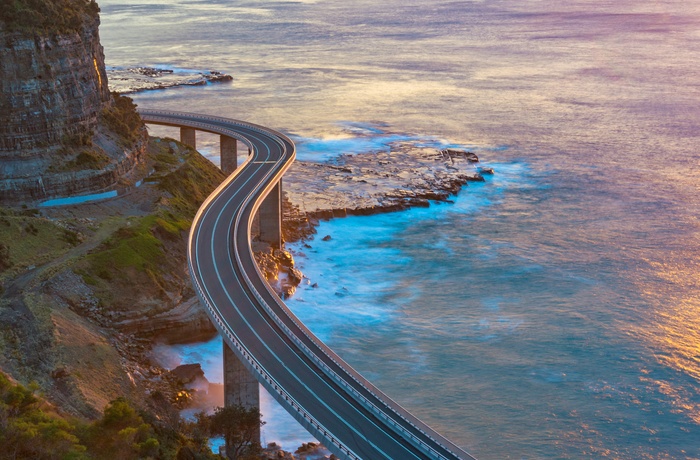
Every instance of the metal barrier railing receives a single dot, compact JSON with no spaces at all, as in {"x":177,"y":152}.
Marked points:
{"x":269,"y":181}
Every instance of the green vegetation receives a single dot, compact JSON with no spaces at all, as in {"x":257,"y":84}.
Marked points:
{"x":138,"y":253}
{"x":53,"y":16}
{"x":86,"y":159}
{"x":123,"y":119}
{"x":5,"y":261}
{"x":190,"y":184}
{"x":31,"y":240}
{"x":30,"y":429}
{"x":134,"y":247}
{"x":239,"y":426}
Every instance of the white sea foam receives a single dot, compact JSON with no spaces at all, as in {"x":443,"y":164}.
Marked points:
{"x":362,"y":138}
{"x":544,"y":78}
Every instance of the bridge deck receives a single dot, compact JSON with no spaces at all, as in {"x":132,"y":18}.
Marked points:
{"x":335,"y":403}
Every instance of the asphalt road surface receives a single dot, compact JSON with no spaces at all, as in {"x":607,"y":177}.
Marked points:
{"x":337,"y":405}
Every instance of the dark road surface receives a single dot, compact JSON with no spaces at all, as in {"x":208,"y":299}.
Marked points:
{"x":337,"y":405}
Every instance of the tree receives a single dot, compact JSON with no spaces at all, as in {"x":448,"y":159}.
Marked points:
{"x":121,"y":433}
{"x":239,"y":426}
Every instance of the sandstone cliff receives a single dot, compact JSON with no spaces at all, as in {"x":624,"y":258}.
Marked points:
{"x":54,"y":140}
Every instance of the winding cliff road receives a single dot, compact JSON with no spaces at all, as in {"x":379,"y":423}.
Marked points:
{"x":337,"y":405}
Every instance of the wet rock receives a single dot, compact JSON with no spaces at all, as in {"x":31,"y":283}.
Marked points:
{"x":295,"y":276}
{"x":135,"y":79}
{"x":312,"y":451}
{"x":326,"y":238}
{"x":452,"y":154}
{"x":485,"y":170}
{"x":284,"y":257}
{"x":275,"y":452}
{"x":371,"y":183}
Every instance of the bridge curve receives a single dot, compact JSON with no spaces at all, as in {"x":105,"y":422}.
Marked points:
{"x":343,"y":410}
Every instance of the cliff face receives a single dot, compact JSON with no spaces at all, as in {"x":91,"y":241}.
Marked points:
{"x":53,"y":93}
{"x":53,"y":87}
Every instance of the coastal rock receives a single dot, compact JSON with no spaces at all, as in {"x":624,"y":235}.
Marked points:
{"x":312,"y":451}
{"x":185,"y":323}
{"x":278,"y":268}
{"x":452,"y":153}
{"x":53,"y":97}
{"x":134,"y":79}
{"x":188,"y":373}
{"x":371,"y":183}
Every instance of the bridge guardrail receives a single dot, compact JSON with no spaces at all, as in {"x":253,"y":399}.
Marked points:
{"x":258,"y":368}
{"x":162,"y":116}
{"x":322,"y":347}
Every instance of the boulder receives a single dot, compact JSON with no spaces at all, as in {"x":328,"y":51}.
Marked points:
{"x":188,"y":373}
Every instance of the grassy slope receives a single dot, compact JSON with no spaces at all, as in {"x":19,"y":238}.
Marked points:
{"x":129,"y":262}
{"x":137,"y":253}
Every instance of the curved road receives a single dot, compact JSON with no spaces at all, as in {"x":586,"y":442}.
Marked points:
{"x":330,"y":399}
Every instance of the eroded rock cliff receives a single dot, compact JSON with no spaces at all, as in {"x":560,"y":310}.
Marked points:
{"x":54,"y":140}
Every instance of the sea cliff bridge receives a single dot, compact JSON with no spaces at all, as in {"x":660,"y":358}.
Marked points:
{"x":263,"y":340}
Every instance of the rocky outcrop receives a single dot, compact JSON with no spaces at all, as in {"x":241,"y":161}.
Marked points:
{"x":18,"y":187}
{"x":187,"y":322}
{"x":135,"y":79}
{"x":188,"y":373}
{"x":372,"y":183}
{"x":53,"y":94}
{"x":278,"y":268}
{"x":53,"y":87}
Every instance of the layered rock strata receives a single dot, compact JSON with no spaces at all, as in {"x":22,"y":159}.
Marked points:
{"x":53,"y":94}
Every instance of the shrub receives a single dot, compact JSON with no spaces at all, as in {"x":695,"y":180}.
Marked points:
{"x":123,"y":119}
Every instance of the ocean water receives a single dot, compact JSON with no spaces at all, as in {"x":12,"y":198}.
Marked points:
{"x":551,"y":312}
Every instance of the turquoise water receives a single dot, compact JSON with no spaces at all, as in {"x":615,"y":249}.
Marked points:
{"x":552,"y":312}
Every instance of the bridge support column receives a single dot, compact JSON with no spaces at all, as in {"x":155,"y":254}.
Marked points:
{"x":188,"y":136}
{"x":270,"y":215}
{"x":240,"y":387}
{"x":228,"y":148}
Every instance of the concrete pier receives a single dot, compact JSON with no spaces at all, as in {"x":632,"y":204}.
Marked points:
{"x":188,"y":136}
{"x":228,"y":148}
{"x":270,"y":213}
{"x":240,"y":387}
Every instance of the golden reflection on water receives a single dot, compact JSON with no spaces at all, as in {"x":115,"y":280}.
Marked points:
{"x":674,"y":332}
